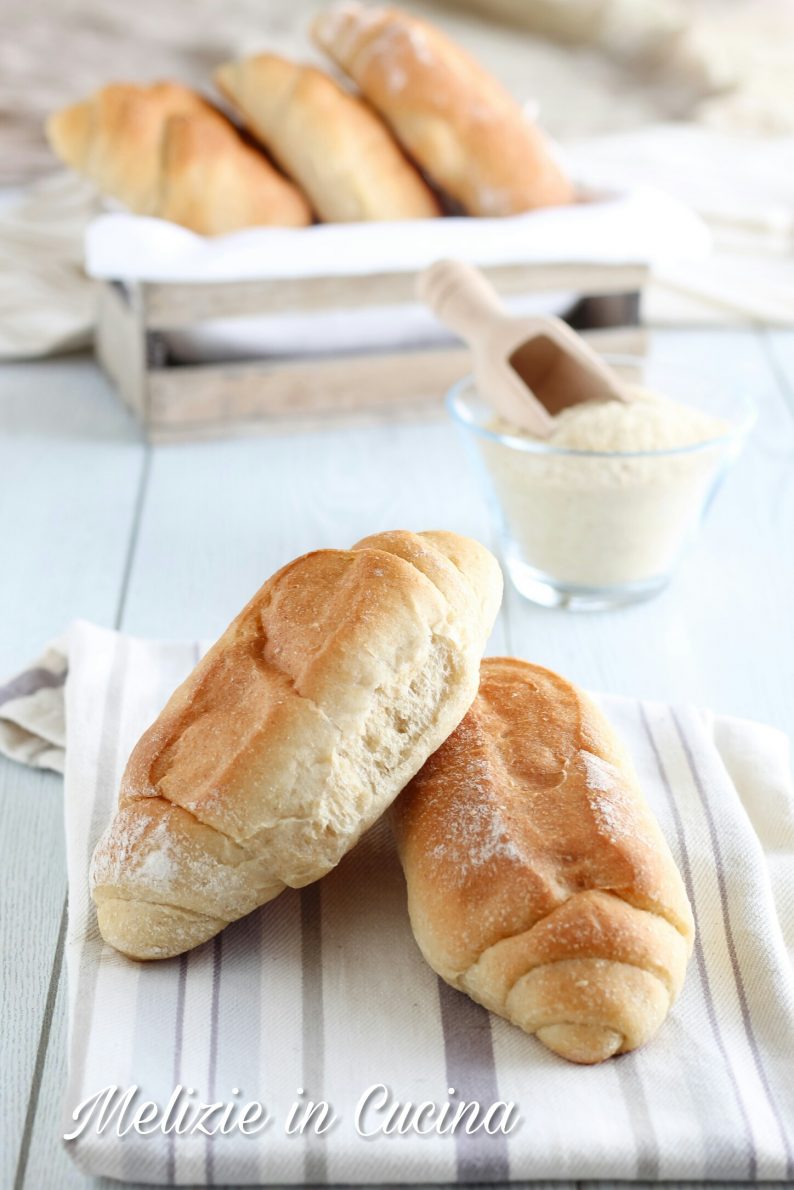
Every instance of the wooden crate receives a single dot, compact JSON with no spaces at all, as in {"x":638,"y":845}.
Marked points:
{"x":176,"y":401}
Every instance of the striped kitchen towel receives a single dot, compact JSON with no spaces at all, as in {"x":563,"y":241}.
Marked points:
{"x":322,"y":997}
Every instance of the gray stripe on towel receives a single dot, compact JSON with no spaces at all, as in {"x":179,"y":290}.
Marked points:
{"x":212,"y":1066}
{"x":157,"y":1027}
{"x":177,"y":1066}
{"x":316,"y":1161}
{"x":627,"y":717}
{"x":471,"y":1070}
{"x":30,"y":682}
{"x":700,"y":958}
{"x":178,"y":1031}
{"x":645,"y":1143}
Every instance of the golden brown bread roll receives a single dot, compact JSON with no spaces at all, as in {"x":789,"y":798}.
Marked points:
{"x":455,"y":119}
{"x":213,"y":182}
{"x":114,"y":137}
{"x":164,"y":151}
{"x":538,"y":880}
{"x":293,"y":734}
{"x":332,"y":144}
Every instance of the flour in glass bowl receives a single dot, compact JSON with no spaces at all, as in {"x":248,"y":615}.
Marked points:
{"x":618,"y":516}
{"x":647,"y":423}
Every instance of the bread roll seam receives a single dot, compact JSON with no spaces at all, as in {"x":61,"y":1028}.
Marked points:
{"x":590,"y":959}
{"x":142,"y":900}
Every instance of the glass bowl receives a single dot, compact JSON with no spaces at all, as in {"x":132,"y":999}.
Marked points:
{"x":592,"y":530}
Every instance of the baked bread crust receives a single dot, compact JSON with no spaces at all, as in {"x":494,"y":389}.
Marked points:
{"x":335,"y":147}
{"x":538,"y":879}
{"x":114,"y":137}
{"x":293,"y":734}
{"x":214,"y":183}
{"x":164,"y":151}
{"x":461,"y":126}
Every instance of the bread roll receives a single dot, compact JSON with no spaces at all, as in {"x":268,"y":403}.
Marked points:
{"x":455,"y":119}
{"x":293,"y":734}
{"x":332,"y":144}
{"x":538,"y":880}
{"x":115,"y":136}
{"x":164,"y":151}
{"x":214,"y":183}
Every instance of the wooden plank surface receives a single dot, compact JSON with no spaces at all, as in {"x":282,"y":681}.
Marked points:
{"x":70,"y":467}
{"x":216,"y":519}
{"x":780,"y":348}
{"x":70,"y":471}
{"x":220,"y":517}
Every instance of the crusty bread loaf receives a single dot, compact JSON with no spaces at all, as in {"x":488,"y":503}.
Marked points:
{"x":114,"y":137}
{"x":295,"y":732}
{"x":455,"y":119}
{"x":213,"y":182}
{"x":334,"y":146}
{"x":538,"y":880}
{"x":164,"y":151}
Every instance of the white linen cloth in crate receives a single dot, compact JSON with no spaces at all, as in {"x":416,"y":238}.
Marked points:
{"x":640,"y":226}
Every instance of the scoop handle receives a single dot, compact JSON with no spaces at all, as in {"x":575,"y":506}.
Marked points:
{"x":461,"y":298}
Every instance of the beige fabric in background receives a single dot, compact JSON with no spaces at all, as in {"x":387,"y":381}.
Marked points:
{"x":47,"y":303}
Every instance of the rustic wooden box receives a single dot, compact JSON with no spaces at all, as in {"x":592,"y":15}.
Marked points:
{"x":175,"y":401}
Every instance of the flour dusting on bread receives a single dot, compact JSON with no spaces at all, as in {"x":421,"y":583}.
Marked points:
{"x":538,"y":881}
{"x":464,"y":130}
{"x":293,"y":734}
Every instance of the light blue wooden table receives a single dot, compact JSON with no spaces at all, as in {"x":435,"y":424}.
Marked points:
{"x":171,"y":541}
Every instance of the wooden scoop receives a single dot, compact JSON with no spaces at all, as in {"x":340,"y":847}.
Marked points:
{"x":528,"y":368}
